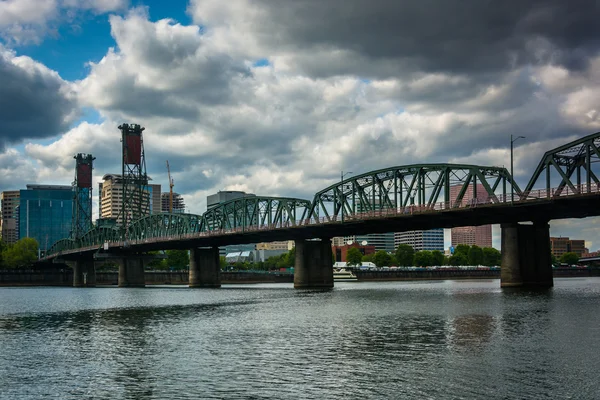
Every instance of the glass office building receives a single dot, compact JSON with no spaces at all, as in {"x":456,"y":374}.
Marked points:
{"x":45,"y":213}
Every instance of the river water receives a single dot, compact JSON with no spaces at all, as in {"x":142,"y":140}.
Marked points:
{"x":361,"y":340}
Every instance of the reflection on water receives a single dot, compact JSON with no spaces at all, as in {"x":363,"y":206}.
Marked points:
{"x":449,"y":339}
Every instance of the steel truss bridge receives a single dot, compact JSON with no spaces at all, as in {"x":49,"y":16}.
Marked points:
{"x":401,"y":198}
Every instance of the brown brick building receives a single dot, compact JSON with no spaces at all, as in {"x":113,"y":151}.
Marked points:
{"x":340,"y":252}
{"x":562,"y":245}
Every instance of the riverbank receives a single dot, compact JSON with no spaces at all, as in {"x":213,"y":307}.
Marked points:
{"x":64,"y":277}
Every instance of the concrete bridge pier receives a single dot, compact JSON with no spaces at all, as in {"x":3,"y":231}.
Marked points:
{"x":313,"y":267}
{"x":526,"y":260}
{"x":131,"y":271}
{"x":205,"y":268}
{"x":84,"y":273}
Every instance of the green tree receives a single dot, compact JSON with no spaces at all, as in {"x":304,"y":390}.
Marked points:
{"x":491,"y":257}
{"x":569,"y":258}
{"x":462,"y":249}
{"x":2,"y":250}
{"x":178,"y":259}
{"x":437,"y":257}
{"x":368,"y":258}
{"x":458,"y":259}
{"x":405,"y":255}
{"x":21,"y":254}
{"x":354,"y":256}
{"x":423,"y":258}
{"x":554,"y":259}
{"x":475,"y":255}
{"x":222,"y":262}
{"x":156,"y":263}
{"x":382,"y":259}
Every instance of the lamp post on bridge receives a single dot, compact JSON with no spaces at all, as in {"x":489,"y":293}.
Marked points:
{"x":342,"y":193}
{"x":512,"y":194}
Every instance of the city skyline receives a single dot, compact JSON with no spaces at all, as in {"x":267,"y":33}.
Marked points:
{"x":233,"y":109}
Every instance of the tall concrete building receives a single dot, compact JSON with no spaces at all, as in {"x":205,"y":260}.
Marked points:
{"x":431,"y":239}
{"x":9,"y":201}
{"x":45,"y":213}
{"x":111,"y":197}
{"x":471,"y":235}
{"x":178,"y":203}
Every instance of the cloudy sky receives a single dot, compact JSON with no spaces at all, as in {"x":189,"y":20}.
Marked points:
{"x":277,"y":99}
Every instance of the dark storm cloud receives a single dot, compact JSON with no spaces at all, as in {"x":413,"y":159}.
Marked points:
{"x":32,"y":102}
{"x":458,"y":36}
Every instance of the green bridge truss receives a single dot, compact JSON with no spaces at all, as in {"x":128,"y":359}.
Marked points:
{"x":397,"y":189}
{"x":248,"y":213}
{"x":571,"y":165}
{"x":426,"y":186}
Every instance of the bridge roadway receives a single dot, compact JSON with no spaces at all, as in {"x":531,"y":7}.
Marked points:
{"x":380,"y":221}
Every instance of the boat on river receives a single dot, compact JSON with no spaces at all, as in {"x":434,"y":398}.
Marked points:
{"x":343,"y":275}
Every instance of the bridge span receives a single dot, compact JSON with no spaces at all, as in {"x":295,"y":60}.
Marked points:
{"x":401,"y":198}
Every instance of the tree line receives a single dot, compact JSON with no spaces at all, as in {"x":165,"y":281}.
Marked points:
{"x":405,"y":256}
{"x":21,"y":254}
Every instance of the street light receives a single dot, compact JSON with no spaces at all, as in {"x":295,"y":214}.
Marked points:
{"x":512,"y":194}
{"x":342,"y":193}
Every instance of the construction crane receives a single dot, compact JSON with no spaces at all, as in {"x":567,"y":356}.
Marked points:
{"x":171,"y":184}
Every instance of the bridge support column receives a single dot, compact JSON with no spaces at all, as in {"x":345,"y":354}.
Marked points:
{"x":205,"y":269}
{"x":84,"y":273}
{"x":526,"y":260}
{"x":131,"y":272}
{"x":313,"y":267}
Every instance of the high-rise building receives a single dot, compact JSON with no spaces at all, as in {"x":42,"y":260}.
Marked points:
{"x":111,"y":197}
{"x":562,"y":245}
{"x":45,"y":213}
{"x":178,"y":204}
{"x":223,"y":196}
{"x":9,"y":201}
{"x":431,"y":239}
{"x":471,"y":235}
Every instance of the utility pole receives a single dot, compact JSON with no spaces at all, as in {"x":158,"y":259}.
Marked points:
{"x":512,"y":194}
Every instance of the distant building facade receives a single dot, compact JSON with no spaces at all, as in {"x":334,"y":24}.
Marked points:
{"x":285,"y":245}
{"x":562,"y":245}
{"x":341,"y":252}
{"x":45,"y":213}
{"x":178,"y":203}
{"x":9,"y":229}
{"x":431,"y":239}
{"x":111,"y":197}
{"x":471,"y":235}
{"x":223,"y":196}
{"x":381,"y":241}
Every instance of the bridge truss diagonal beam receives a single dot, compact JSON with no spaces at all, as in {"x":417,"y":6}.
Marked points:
{"x":403,"y":188}
{"x":574,"y":166}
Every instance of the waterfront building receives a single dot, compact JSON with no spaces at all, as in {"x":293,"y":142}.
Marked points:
{"x":562,"y":245}
{"x":341,"y":252}
{"x":111,"y":197}
{"x":471,"y":235}
{"x":9,"y":229}
{"x":45,"y":213}
{"x":431,"y":239}
{"x":178,"y":203}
